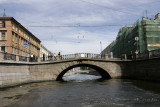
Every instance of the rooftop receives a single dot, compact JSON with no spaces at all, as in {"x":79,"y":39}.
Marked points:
{"x":19,"y":24}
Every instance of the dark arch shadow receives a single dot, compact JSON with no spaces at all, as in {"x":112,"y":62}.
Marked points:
{"x":101,"y":71}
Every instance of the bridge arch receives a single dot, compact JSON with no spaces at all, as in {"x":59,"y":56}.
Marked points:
{"x":101,"y":71}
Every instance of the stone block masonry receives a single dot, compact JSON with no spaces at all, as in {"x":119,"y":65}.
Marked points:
{"x":11,"y":75}
{"x":16,"y":73}
{"x":148,"y":69}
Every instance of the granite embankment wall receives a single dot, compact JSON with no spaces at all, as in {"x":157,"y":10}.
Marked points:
{"x":148,"y":70}
{"x":12,"y":74}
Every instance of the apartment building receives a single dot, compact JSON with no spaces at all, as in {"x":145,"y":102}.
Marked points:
{"x":16,"y":39}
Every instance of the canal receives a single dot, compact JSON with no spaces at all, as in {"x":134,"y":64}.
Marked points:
{"x":83,"y":90}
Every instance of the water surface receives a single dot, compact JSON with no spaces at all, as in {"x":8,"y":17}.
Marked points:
{"x":78,"y":91}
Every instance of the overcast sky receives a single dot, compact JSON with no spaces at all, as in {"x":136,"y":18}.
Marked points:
{"x":78,"y":26}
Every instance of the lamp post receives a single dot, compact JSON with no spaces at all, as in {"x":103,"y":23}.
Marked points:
{"x":137,"y":50}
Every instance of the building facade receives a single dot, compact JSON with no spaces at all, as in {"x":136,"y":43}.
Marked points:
{"x":45,"y":54}
{"x":142,"y":37}
{"x":16,"y":39}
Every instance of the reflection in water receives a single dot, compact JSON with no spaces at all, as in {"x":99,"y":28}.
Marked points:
{"x":84,"y":93}
{"x":80,"y":77}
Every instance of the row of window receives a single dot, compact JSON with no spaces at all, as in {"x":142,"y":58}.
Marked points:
{"x":22,"y":33}
{"x":19,"y":52}
{"x":14,"y":51}
{"x":21,"y":42}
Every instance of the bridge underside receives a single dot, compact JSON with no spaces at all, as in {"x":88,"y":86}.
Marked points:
{"x":102,"y":72}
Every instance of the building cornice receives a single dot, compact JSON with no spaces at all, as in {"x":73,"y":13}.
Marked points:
{"x":19,"y":24}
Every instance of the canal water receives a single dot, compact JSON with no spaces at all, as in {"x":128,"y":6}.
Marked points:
{"x":83,"y":90}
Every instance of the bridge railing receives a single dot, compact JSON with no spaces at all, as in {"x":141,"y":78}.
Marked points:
{"x":96,"y":56}
{"x":7,"y":56}
{"x":23,"y":58}
{"x":79,"y":55}
{"x":149,"y":54}
{"x":69,"y":56}
{"x":155,"y":53}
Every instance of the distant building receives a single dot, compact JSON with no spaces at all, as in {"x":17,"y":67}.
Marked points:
{"x":16,"y":39}
{"x":45,"y":54}
{"x":142,"y":37}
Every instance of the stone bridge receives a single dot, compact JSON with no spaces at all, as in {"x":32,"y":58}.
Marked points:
{"x":107,"y":69}
{"x":15,"y":73}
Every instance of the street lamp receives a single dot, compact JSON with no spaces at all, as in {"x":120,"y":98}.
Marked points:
{"x":137,"y":50}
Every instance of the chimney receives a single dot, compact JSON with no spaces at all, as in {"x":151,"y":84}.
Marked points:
{"x":157,"y":16}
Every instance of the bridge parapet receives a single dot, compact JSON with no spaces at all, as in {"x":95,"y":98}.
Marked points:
{"x":17,"y":58}
{"x":80,"y":55}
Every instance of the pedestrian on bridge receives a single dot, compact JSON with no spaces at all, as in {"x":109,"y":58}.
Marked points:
{"x":59,"y":55}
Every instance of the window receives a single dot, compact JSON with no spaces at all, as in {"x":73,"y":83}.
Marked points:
{"x":12,"y":50}
{"x":16,"y":37}
{"x":15,"y":51}
{"x":26,"y":53}
{"x":3,"y":35}
{"x":13,"y":27}
{"x":28,"y":46}
{"x":2,"y":24}
{"x":22,"y":42}
{"x":13,"y":36}
{"x":3,"y":48}
{"x":16,"y":28}
{"x":19,"y":40}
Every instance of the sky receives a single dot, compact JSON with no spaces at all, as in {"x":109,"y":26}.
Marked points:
{"x":78,"y":26}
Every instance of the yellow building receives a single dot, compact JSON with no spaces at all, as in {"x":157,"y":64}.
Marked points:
{"x":16,"y":39}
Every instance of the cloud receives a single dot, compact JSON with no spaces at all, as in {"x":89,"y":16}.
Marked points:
{"x":77,"y":13}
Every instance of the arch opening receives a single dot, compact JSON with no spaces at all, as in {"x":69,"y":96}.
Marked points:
{"x":104,"y":74}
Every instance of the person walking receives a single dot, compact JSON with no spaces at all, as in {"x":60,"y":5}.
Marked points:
{"x":59,"y":55}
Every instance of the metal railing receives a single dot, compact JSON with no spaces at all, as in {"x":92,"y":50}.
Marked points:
{"x":155,"y":53}
{"x":23,"y":58}
{"x":8,"y":56}
{"x":149,"y":54}
{"x":74,"y":56}
{"x":96,"y":56}
{"x":69,"y":56}
{"x":144,"y":55}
